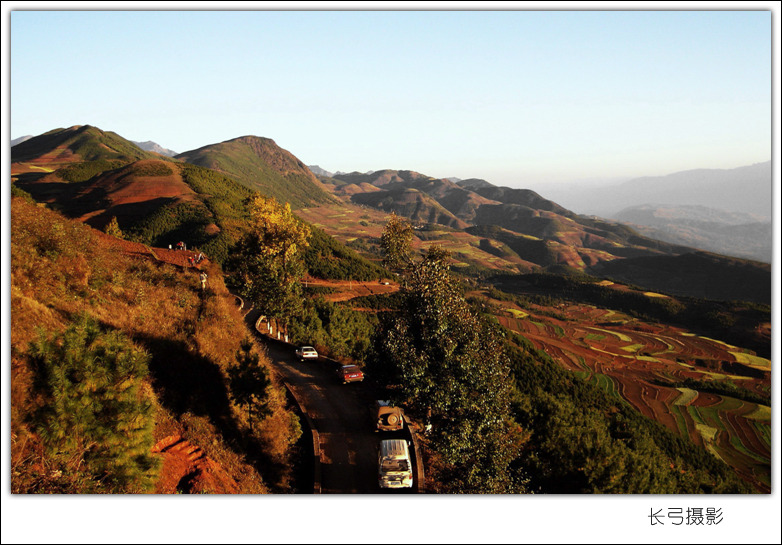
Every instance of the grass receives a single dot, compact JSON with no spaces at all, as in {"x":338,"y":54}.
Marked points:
{"x":62,"y":268}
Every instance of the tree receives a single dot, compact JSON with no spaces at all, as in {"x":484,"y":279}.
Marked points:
{"x":268,"y":258}
{"x":395,"y":242}
{"x":96,"y":417}
{"x":250,"y":383}
{"x":452,"y":371}
{"x":112,"y":228}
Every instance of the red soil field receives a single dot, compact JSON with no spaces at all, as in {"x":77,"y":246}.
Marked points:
{"x":639,"y":357}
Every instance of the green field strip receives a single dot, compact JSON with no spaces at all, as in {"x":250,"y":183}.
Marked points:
{"x":36,"y":167}
{"x":607,"y":383}
{"x":559,"y":331}
{"x":582,"y":363}
{"x":680,"y":420}
{"x":633,"y":348}
{"x":585,"y":375}
{"x":760,"y":413}
{"x":728,"y":404}
{"x":763,"y":432}
{"x":611,"y":353}
{"x":517,"y":313}
{"x":696,"y":416}
{"x":669,"y":346}
{"x":647,"y":358}
{"x":752,"y":361}
{"x":594,"y":337}
{"x":621,"y":336}
{"x":739,"y":446}
{"x":540,"y":325}
{"x":686,"y":396}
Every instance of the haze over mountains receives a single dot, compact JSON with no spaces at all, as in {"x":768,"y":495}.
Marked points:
{"x":723,"y":211}
{"x":494,"y":228}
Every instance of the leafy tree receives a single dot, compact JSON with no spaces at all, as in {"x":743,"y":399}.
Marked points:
{"x":452,"y":370}
{"x":395,"y":242}
{"x":268,"y":258}
{"x":96,"y":418}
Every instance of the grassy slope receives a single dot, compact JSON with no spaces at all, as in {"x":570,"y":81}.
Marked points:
{"x":259,"y":164}
{"x":60,"y":268}
{"x":87,"y":142}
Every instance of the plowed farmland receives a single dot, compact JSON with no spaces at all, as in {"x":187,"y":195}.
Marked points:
{"x":646,"y":364}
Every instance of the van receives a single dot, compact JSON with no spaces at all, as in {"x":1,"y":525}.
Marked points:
{"x":393,"y":464}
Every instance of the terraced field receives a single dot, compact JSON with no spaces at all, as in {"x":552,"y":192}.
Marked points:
{"x":641,"y":363}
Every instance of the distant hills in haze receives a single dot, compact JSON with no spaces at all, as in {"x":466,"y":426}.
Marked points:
{"x":155,"y":148}
{"x":745,"y":190}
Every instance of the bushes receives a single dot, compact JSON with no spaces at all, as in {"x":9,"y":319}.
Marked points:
{"x":81,"y":172}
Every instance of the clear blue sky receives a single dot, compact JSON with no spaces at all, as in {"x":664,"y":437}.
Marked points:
{"x":518,"y":98}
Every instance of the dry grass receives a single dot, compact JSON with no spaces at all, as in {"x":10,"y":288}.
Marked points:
{"x":61,"y":268}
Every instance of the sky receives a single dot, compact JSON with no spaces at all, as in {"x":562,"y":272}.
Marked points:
{"x":519,"y":98}
{"x":514,"y":97}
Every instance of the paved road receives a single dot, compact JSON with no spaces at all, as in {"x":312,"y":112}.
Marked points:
{"x":340,"y":413}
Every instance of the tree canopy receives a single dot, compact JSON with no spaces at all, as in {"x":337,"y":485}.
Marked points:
{"x":451,"y":370}
{"x":268,"y":258}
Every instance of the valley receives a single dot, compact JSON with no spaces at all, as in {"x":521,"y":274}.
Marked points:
{"x":677,"y":335}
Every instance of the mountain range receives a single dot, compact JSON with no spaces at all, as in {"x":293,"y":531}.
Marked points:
{"x":95,"y":175}
{"x":745,"y":190}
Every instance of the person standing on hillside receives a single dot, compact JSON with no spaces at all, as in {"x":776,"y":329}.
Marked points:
{"x":203,"y":277}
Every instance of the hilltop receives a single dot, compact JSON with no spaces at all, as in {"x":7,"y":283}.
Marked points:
{"x":260,"y":165}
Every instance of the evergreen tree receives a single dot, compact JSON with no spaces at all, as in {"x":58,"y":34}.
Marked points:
{"x":96,"y":417}
{"x":112,"y":228}
{"x":250,"y":383}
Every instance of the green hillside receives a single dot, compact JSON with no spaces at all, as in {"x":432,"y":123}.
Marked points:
{"x":79,"y":143}
{"x":260,"y":165}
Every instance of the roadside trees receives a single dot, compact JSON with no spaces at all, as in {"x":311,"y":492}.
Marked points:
{"x":268,"y":258}
{"x":451,"y":370}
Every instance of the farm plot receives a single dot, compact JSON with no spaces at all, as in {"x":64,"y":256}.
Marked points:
{"x":635,"y":361}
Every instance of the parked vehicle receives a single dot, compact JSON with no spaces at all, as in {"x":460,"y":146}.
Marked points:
{"x":306,"y":353}
{"x":394,"y":469}
{"x":350,"y":373}
{"x":388,"y":417}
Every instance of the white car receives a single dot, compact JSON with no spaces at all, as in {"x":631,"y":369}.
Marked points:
{"x":306,"y":353}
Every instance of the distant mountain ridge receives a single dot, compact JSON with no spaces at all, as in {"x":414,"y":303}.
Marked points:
{"x":745,"y":189}
{"x":78,"y":143}
{"x":95,"y":174}
{"x":155,"y":148}
{"x":733,"y":234}
{"x":21,"y":139}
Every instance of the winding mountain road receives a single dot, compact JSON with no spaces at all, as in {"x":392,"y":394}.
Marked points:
{"x":340,"y":413}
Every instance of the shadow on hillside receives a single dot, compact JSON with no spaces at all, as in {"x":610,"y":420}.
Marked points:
{"x":187,"y":383}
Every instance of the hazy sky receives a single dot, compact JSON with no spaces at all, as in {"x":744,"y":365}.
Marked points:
{"x":514,"y":97}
